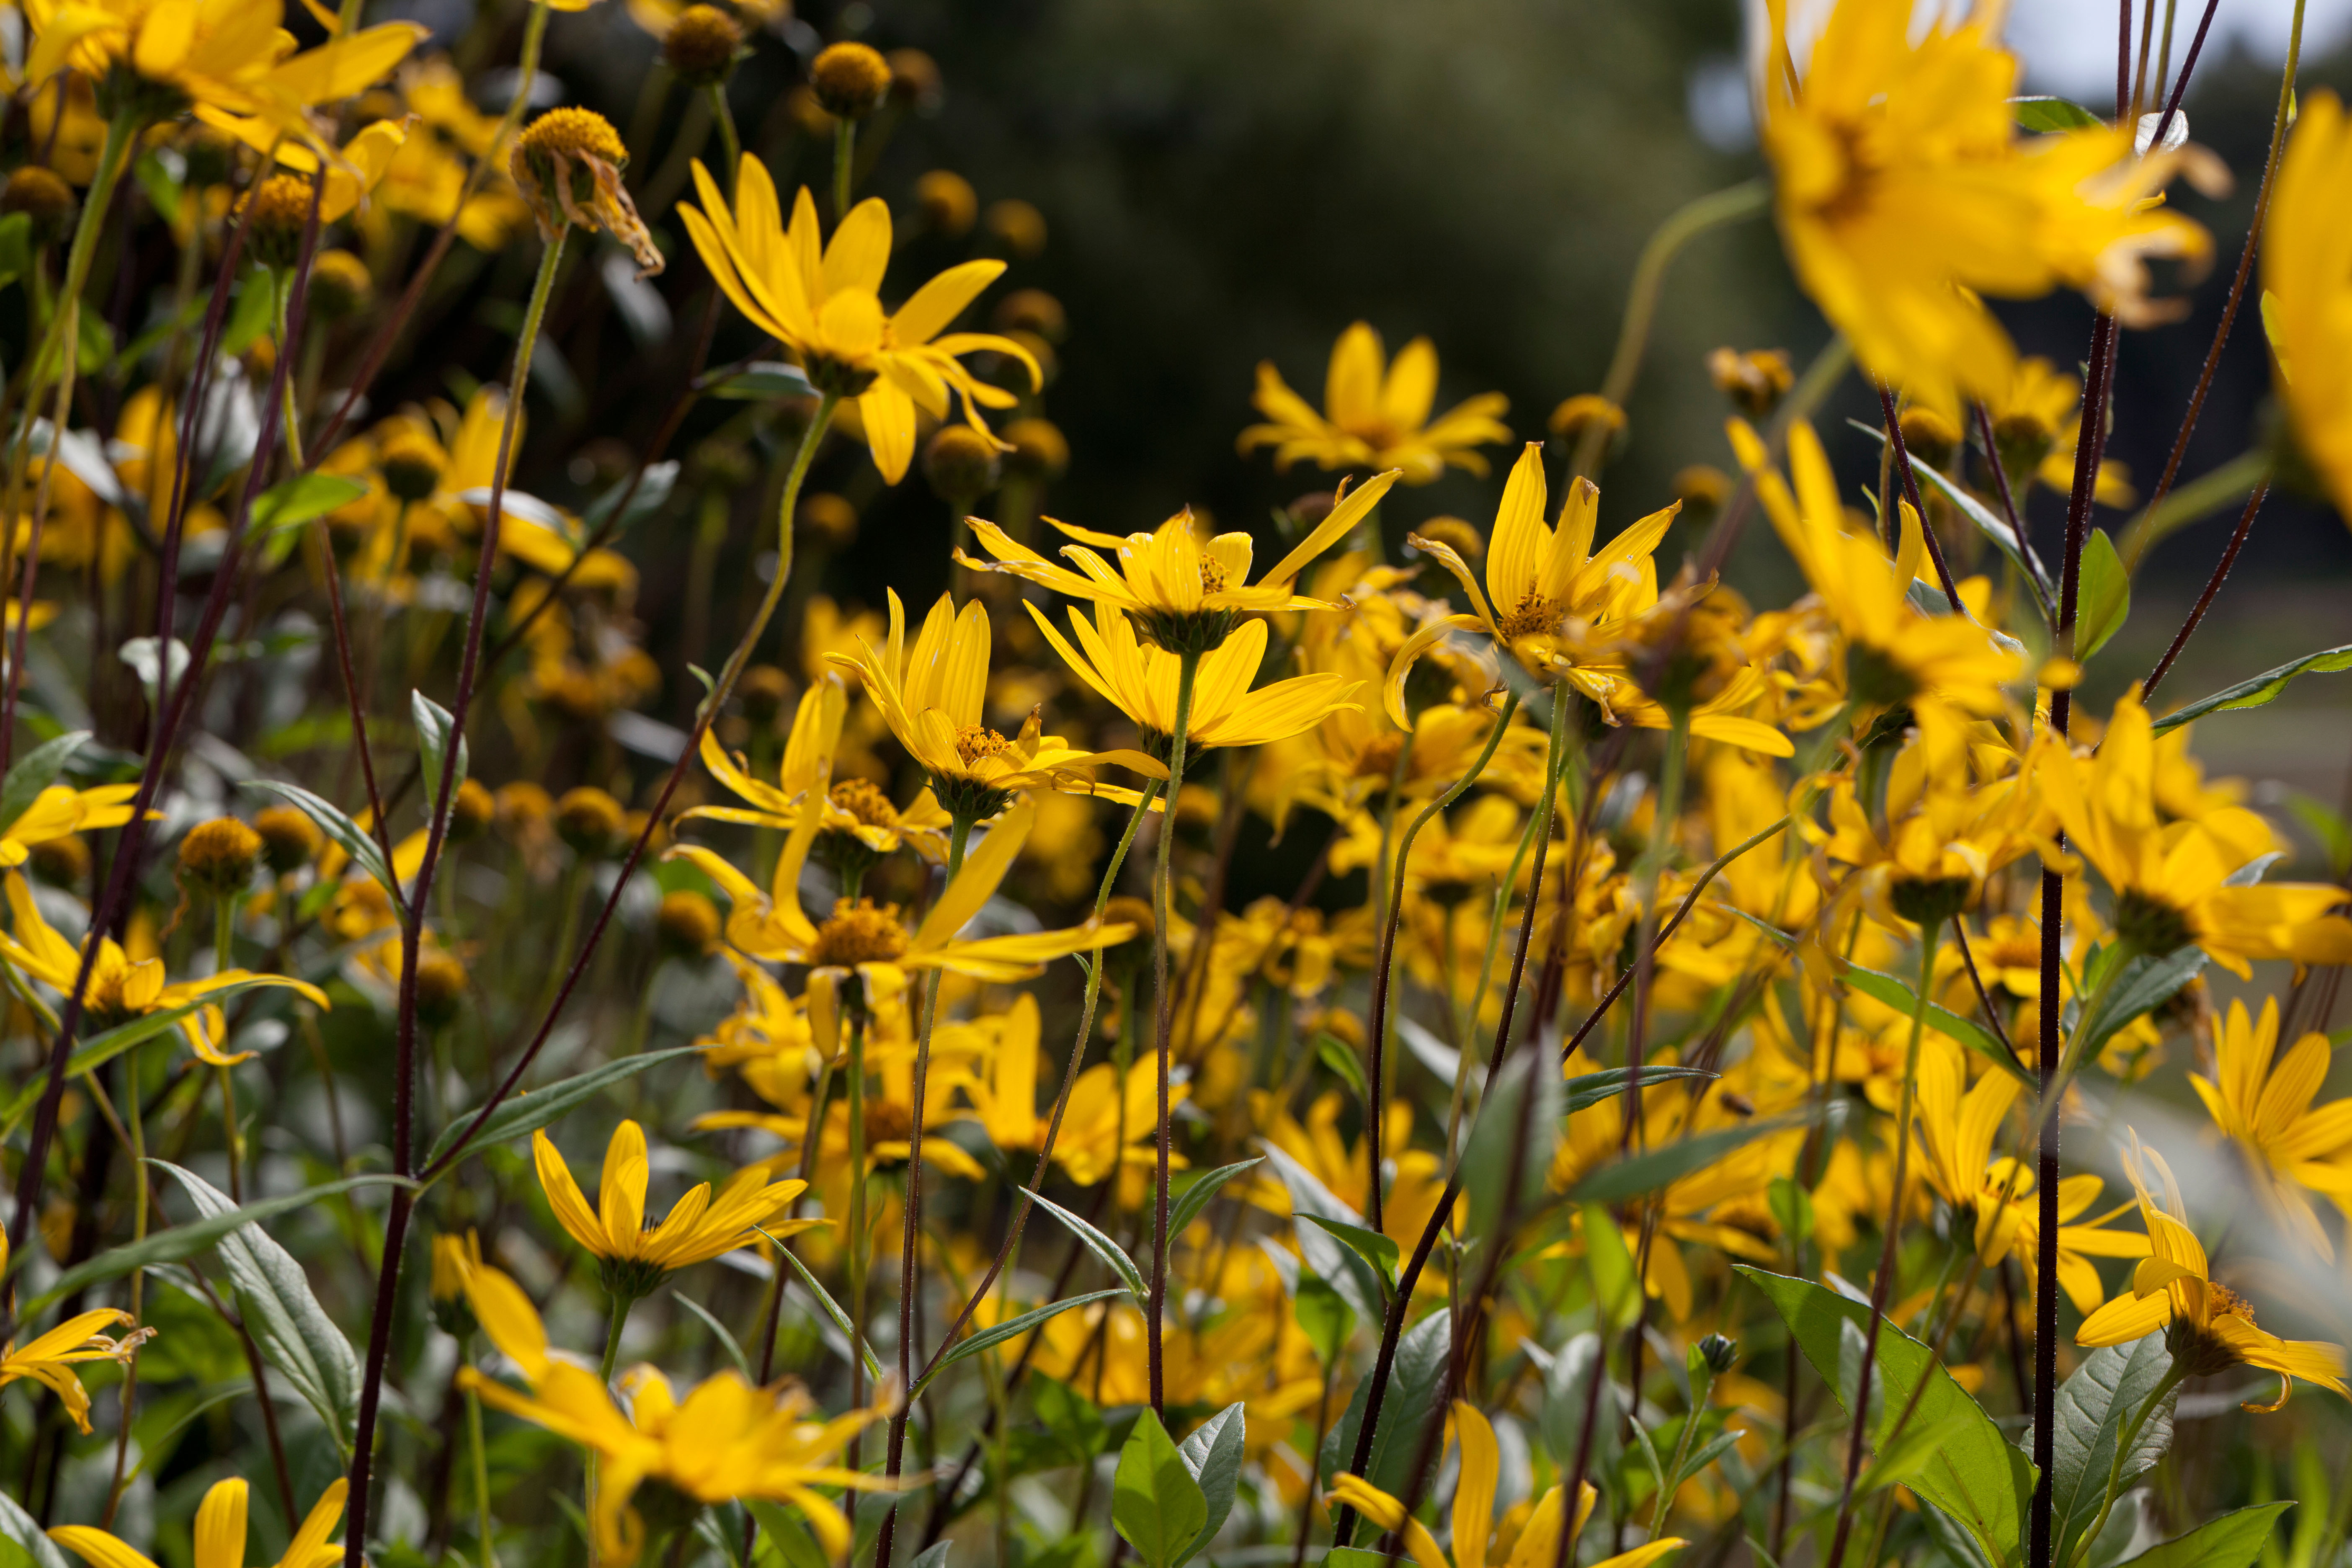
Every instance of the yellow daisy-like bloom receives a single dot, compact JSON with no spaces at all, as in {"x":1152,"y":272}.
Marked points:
{"x":220,"y":1533}
{"x":2308,"y":290}
{"x":870,"y":940}
{"x":50,"y":1359}
{"x":726,"y":1440}
{"x":61,"y":810}
{"x":568,"y":164}
{"x":934,"y":697}
{"x":1375,"y":418}
{"x":826,"y":306}
{"x":121,"y":988}
{"x":1140,"y":681}
{"x":854,"y":807}
{"x":1545,"y":587}
{"x":2207,"y":1327}
{"x":1474,"y":1511}
{"x":1185,"y":594}
{"x":2263,"y":1105}
{"x":698,"y":1228}
{"x":2037,"y":418}
{"x":1904,"y":192}
{"x":221,"y":60}
{"x":2173,"y":880}
{"x":1946,"y":668}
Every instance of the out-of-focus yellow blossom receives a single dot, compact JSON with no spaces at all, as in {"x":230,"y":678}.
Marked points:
{"x":1376,"y":418}
{"x":2308,"y":290}
{"x":220,"y":1533}
{"x":2263,"y":1105}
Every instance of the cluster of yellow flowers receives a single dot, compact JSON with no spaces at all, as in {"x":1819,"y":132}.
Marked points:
{"x":1563,"y":1065}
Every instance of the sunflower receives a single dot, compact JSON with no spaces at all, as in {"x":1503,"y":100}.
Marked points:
{"x":826,"y":307}
{"x":1374,"y":418}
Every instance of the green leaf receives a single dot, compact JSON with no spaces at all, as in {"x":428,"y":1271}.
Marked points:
{"x":2092,"y":1407}
{"x":2051,"y":115}
{"x":1011,"y":1327}
{"x":1113,"y":1256}
{"x":1371,"y":1246}
{"x":1341,"y":1057}
{"x":1155,"y":1503}
{"x":1323,"y":1316}
{"x":726,"y":1340}
{"x":354,"y":840}
{"x":1355,"y":1557}
{"x":782,"y":1529}
{"x":301,"y":500}
{"x":523,"y":1115}
{"x":1073,"y":1418}
{"x":2146,"y":984}
{"x":2229,"y":1541}
{"x":292,"y":1330}
{"x":94,"y":345}
{"x":184,"y":1241}
{"x":1897,"y":993}
{"x":1566,"y":1388}
{"x":1587,"y":1089}
{"x":1416,"y":1382}
{"x":1214,"y":1454}
{"x":1511,"y":1142}
{"x":762,"y":380}
{"x":2262,"y":689}
{"x":1356,"y":1281}
{"x":2327,"y":825}
{"x":19,"y":1528}
{"x":37,"y":769}
{"x":434,"y":724}
{"x":249,"y":318}
{"x":1974,"y":1475}
{"x":829,"y":1306}
{"x":1616,"y":1288}
{"x":1667,"y":1163}
{"x":2103,"y":595}
{"x":1911,"y":1452}
{"x":16,"y":247}
{"x":1196,"y":1193}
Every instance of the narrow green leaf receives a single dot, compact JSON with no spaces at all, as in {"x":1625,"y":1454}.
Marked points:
{"x":1616,"y":1288}
{"x":763,"y":380}
{"x":1113,"y":1256}
{"x":354,"y":840}
{"x":2104,"y":1396}
{"x":19,"y":1528}
{"x":2050,"y":116}
{"x":726,"y":1339}
{"x":524,"y":1114}
{"x":1197,"y":1191}
{"x":37,"y":769}
{"x":2147,"y":984}
{"x":434,"y":724}
{"x":2231,"y":1541}
{"x":1156,"y":1504}
{"x":1341,"y":1057}
{"x":300,"y":500}
{"x":1356,"y":1281}
{"x":1667,"y":1163}
{"x":829,"y":1306}
{"x":1897,"y":993}
{"x":1214,"y":1456}
{"x":1511,"y":1142}
{"x":1011,"y":1327}
{"x":1323,"y":1316}
{"x":781,"y":1529}
{"x":108,"y":1044}
{"x":1587,"y":1089}
{"x":1974,"y":1475}
{"x":1375,"y":1248}
{"x":1417,"y":1381}
{"x":292,"y":1330}
{"x":16,"y":247}
{"x":2262,"y":691}
{"x":2103,"y":600}
{"x":184,"y":1241}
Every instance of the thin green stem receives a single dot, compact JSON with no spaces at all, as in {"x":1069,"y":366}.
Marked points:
{"x":853,"y":1243}
{"x":845,"y":149}
{"x":483,"y":1527}
{"x":223,"y":935}
{"x":730,"y":144}
{"x":1188,"y":666}
{"x":2174,"y":1376}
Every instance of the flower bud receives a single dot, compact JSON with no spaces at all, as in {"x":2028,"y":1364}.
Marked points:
{"x":63,"y":862}
{"x":1719,"y":1353}
{"x":289,"y":839}
{"x":218,"y":857}
{"x":589,"y":820}
{"x":761,"y":691}
{"x":411,"y":462}
{"x":850,"y":79}
{"x":441,"y":983}
{"x":1928,"y":437}
{"x":829,"y":518}
{"x":1033,"y":311}
{"x":1020,"y":226}
{"x":702,"y":45}
{"x":275,"y":216}
{"x":688,"y":923}
{"x":1466,"y":540}
{"x":961,"y":464}
{"x":1754,"y":381}
{"x":1040,"y":450}
{"x":914,"y":79}
{"x":471,"y":810}
{"x":948,"y":203}
{"x":47,"y":200}
{"x":340,"y":285}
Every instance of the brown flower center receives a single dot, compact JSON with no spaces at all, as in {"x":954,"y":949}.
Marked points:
{"x":860,"y":933}
{"x":863,"y":799}
{"x":976,"y":742}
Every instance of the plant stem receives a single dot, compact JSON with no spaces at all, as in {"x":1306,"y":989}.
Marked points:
{"x":844,"y":147}
{"x":481,"y":1480}
{"x":2174,"y":1376}
{"x":852,"y":1256}
{"x":1188,"y":666}
{"x":728,"y":142}
{"x":224,"y":931}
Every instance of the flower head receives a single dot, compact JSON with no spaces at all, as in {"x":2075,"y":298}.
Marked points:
{"x":220,"y":1530}
{"x":1375,"y":417}
{"x":2261,"y":1103}
{"x":567,"y":164}
{"x":2308,"y":290}
{"x":49,"y":1359}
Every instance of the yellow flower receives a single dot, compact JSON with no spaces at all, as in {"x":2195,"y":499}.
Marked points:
{"x":2172,"y":881}
{"x":1474,"y":1511}
{"x":1184,"y":593}
{"x":121,"y":988}
{"x":1543,"y":584}
{"x":726,"y":1440}
{"x":870,"y":939}
{"x":1375,"y":419}
{"x":1948,"y":670}
{"x":1903,"y":193}
{"x":222,"y":60}
{"x":2308,"y":290}
{"x":699,"y":1227}
{"x":2263,"y":1106}
{"x":2037,"y":418}
{"x":2207,"y":1327}
{"x":220,"y":1533}
{"x":934,"y":697}
{"x":826,"y":307}
{"x":854,"y":807}
{"x":60,"y":811}
{"x":50,"y":1359}
{"x":1140,"y":681}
